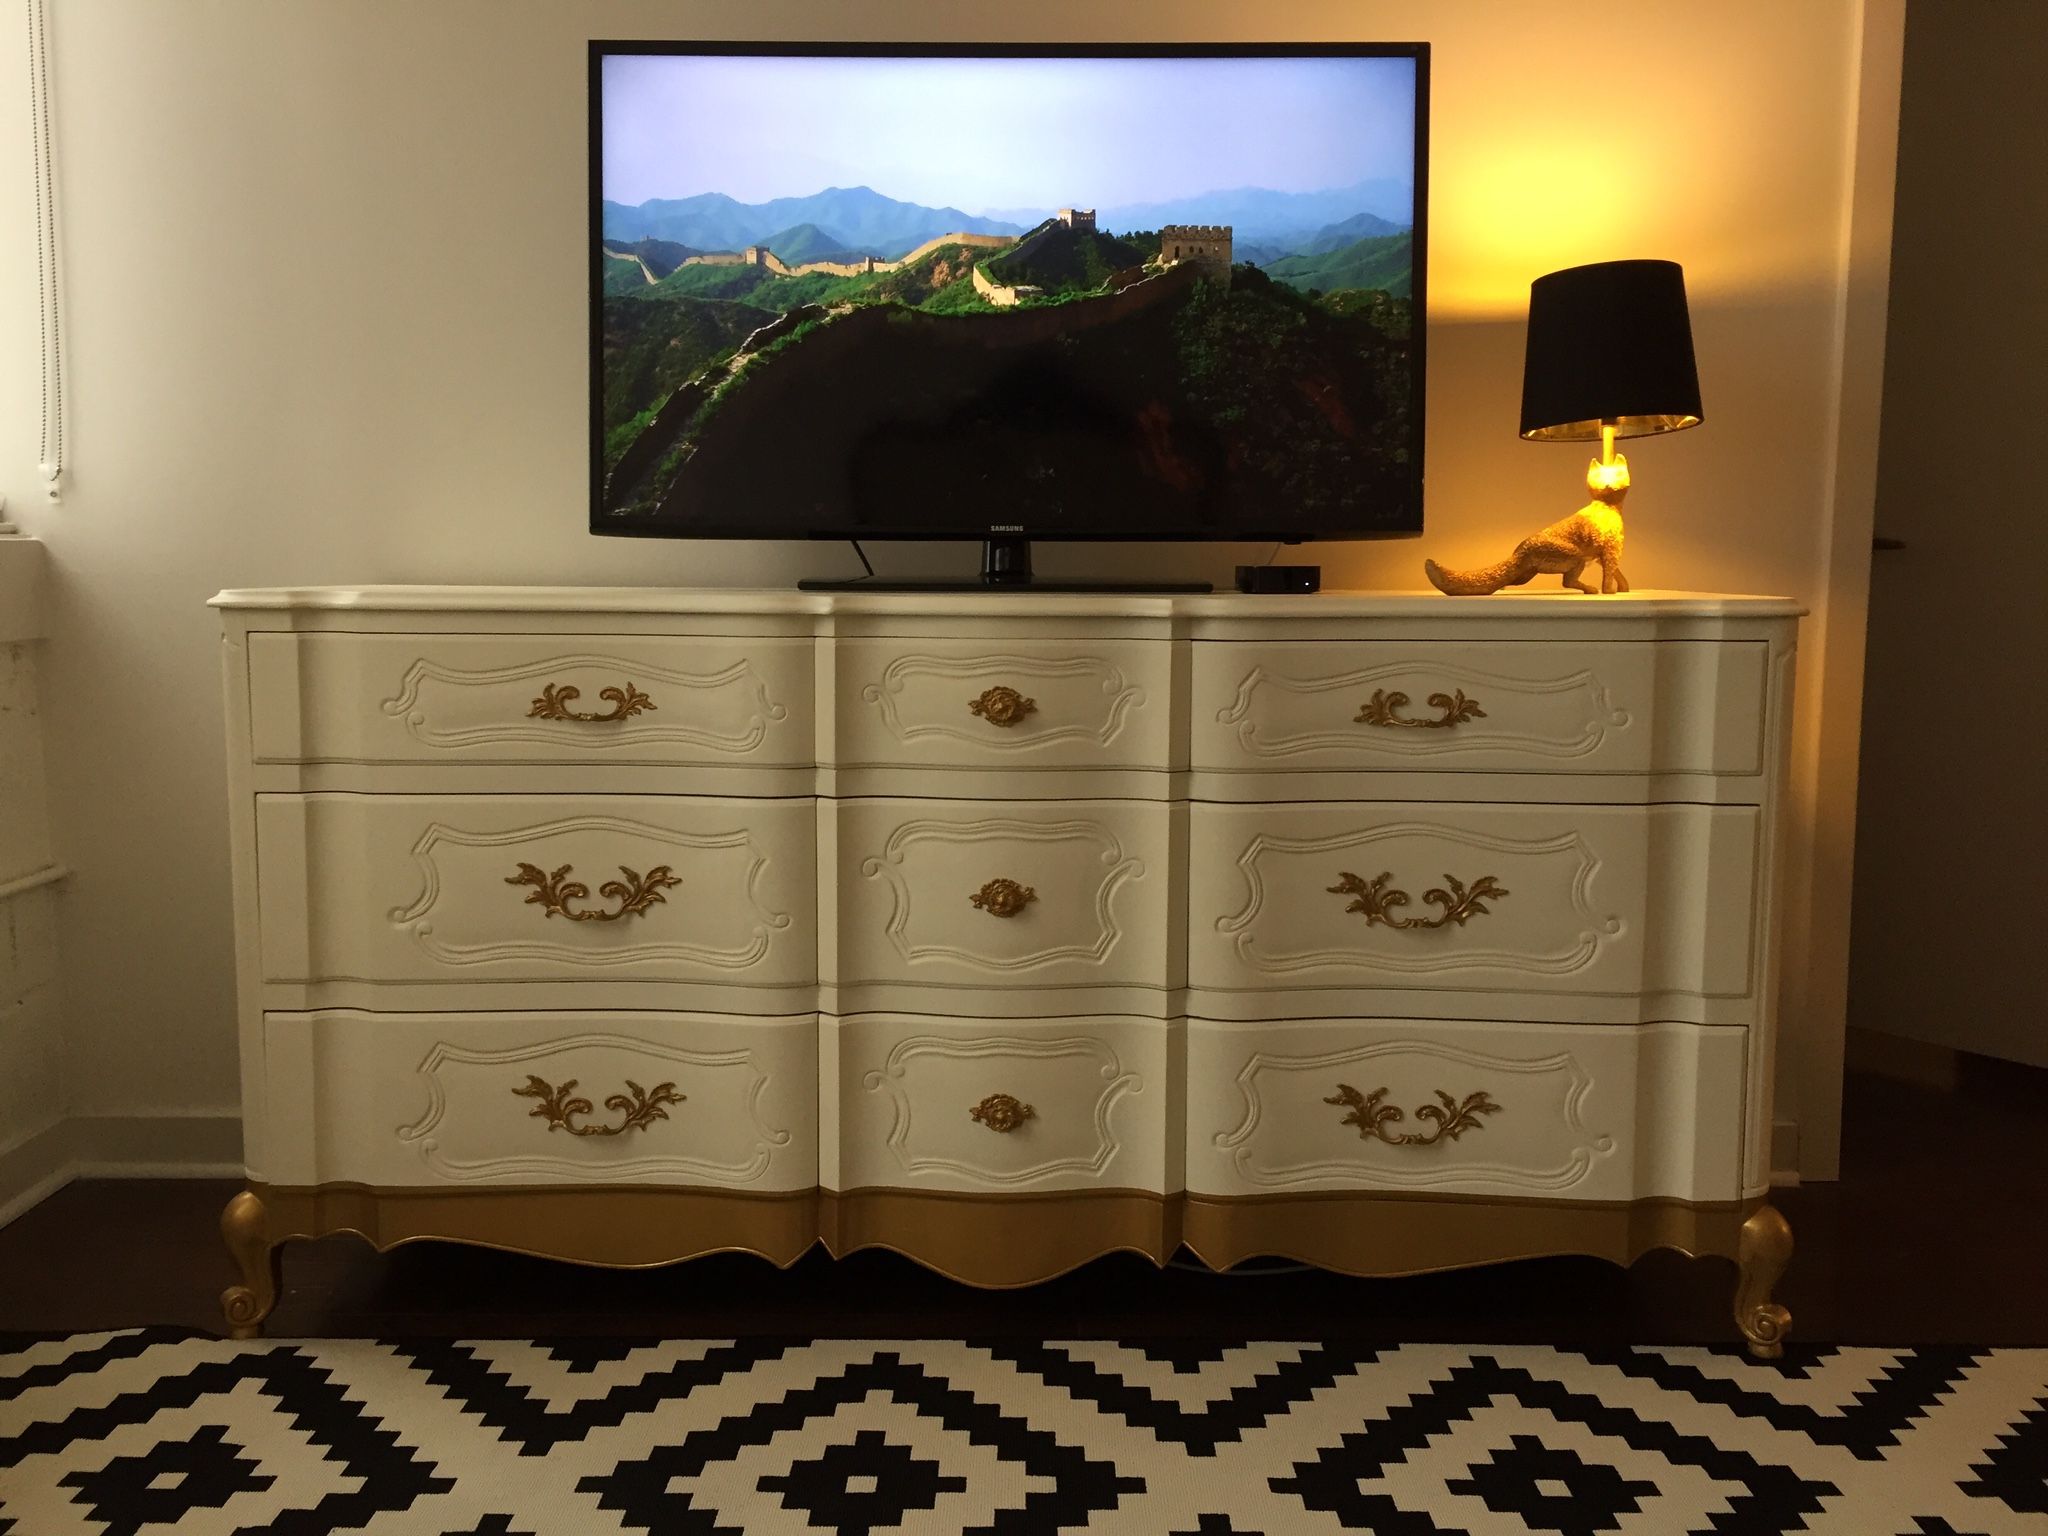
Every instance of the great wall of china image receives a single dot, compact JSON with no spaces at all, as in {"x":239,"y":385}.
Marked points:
{"x":1207,"y":245}
{"x":862,"y":290}
{"x":907,"y":365}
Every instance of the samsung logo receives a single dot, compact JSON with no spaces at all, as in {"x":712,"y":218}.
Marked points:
{"x":1005,"y":527}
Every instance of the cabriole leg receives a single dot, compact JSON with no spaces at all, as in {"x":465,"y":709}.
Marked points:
{"x":1762,"y":1253}
{"x":245,"y":1226}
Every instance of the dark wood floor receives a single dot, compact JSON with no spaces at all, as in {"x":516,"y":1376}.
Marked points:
{"x":1938,"y":1232}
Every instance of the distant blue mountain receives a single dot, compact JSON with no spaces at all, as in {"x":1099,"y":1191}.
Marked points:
{"x":1360,"y":226}
{"x":1283,"y":220}
{"x":844,"y":219}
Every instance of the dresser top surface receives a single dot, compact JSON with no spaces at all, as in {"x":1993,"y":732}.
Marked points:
{"x":982,"y":605}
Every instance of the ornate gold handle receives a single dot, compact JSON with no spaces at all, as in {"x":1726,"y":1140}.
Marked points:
{"x":634,"y":894}
{"x":1449,"y":1117}
{"x":1377,"y":900}
{"x":1000,"y":1112}
{"x":1002,"y":706}
{"x":640,"y":1106}
{"x":555,"y":699}
{"x":1384,"y":709}
{"x":1003,"y":898}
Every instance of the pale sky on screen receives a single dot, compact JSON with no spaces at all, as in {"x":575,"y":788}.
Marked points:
{"x":980,"y":134}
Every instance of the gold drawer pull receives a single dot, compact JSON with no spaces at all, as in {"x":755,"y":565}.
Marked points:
{"x":1000,"y":1112}
{"x":641,"y":1109}
{"x":1384,"y":709}
{"x":1377,"y":901}
{"x":1449,"y":1118}
{"x":634,"y":894}
{"x":1002,"y":706}
{"x":1003,"y":898}
{"x":555,"y":699}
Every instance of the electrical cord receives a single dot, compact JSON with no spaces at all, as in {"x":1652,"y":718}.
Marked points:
{"x":49,"y":316}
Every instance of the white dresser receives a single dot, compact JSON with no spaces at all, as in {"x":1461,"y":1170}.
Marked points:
{"x":1385,"y":932}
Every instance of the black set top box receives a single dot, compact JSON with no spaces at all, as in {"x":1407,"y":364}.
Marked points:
{"x":1279,"y":578}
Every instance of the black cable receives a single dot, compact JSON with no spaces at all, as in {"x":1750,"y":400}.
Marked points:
{"x":863,"y":559}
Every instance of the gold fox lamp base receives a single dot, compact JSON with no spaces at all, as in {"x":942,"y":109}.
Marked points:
{"x":1590,"y":536}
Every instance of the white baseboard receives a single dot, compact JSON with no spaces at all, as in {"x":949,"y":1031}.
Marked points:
{"x":1785,"y":1154}
{"x":117,"y":1147}
{"x":35,"y":1168}
{"x":159,"y":1146}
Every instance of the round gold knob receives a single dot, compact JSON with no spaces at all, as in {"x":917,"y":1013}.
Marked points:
{"x":1000,"y":1112}
{"x":1002,"y":706}
{"x":1003,"y":898}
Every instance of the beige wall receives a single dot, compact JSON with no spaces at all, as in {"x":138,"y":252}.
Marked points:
{"x":326,"y":268}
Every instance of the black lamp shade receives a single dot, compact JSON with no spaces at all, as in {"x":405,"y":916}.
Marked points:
{"x":1610,"y":342}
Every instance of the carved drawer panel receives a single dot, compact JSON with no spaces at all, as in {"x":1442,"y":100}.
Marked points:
{"x":1495,"y":706}
{"x":359,"y":698}
{"x":539,"y":1098}
{"x":1000,"y":903}
{"x":1009,"y":704}
{"x":925,"y":1102}
{"x":1570,"y":1112}
{"x":1368,"y":900}
{"x":372,"y":891}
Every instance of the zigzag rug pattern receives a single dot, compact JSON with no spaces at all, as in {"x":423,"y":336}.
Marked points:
{"x":154,"y":1431}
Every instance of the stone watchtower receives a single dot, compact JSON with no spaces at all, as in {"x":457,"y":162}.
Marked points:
{"x":1078,"y":218}
{"x":1206,"y":245}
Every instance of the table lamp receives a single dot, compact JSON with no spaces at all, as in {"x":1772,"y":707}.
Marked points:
{"x":1610,"y":355}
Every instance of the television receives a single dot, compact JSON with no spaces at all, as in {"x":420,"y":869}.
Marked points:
{"x":1007,"y":293}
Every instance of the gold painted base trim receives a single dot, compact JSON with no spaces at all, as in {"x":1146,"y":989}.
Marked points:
{"x":1005,"y":1241}
{"x":611,"y":1226}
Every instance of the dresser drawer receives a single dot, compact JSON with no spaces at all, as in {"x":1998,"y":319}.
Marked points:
{"x":1573,"y":1112}
{"x":467,"y":890}
{"x":539,"y":1098}
{"x":1480,"y":706}
{"x":360,"y":698}
{"x":1009,"y":899}
{"x":962,"y":1104}
{"x":1389,"y":899}
{"x":1013,"y":704}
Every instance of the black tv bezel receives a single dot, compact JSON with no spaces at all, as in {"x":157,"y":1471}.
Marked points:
{"x":601,"y":48}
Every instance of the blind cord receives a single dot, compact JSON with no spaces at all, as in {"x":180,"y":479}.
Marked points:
{"x":50,"y":444}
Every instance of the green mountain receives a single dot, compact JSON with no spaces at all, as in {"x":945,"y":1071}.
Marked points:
{"x":1063,"y":260}
{"x":918,"y":285}
{"x":661,"y":256}
{"x":747,"y":285}
{"x":1246,"y":395}
{"x":1360,"y":226}
{"x":1380,"y":261}
{"x":651,"y":345}
{"x":623,"y":277}
{"x":806,"y":242}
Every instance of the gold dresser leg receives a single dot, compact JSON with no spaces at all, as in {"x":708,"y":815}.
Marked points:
{"x":1763,"y":1251}
{"x":245,"y":1227}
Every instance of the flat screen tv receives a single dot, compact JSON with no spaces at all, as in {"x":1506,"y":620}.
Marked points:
{"x":1006,"y":293}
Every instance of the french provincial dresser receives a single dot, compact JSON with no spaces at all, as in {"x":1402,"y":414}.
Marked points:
{"x":1385,"y":932}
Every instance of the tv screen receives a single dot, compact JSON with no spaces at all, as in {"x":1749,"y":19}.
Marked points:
{"x":896,"y":292}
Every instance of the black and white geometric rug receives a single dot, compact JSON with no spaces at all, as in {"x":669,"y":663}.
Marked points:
{"x":153,"y":1431}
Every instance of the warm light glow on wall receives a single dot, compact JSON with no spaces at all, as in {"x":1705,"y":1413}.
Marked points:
{"x":1675,"y":146}
{"x":1523,"y":203}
